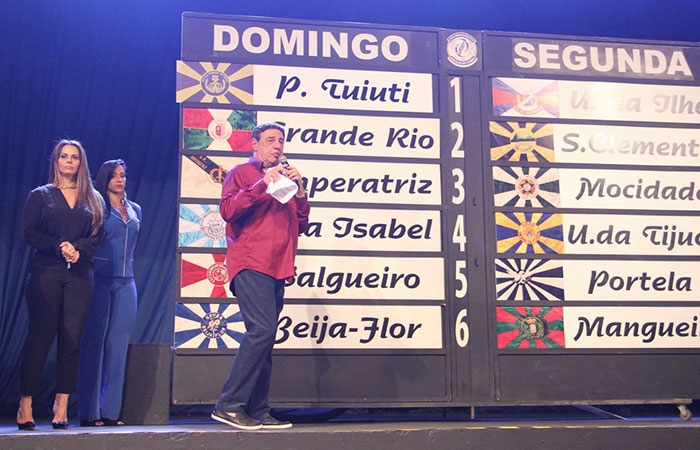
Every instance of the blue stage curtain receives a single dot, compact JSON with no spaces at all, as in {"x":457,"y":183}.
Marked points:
{"x":102,"y":73}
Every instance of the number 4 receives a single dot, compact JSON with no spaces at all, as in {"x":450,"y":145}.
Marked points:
{"x":458,"y":235}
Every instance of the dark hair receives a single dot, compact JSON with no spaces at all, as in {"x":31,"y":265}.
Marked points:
{"x":104,"y":176}
{"x":258,"y":130}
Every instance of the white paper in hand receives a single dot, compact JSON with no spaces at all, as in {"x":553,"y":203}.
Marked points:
{"x":283,"y":189}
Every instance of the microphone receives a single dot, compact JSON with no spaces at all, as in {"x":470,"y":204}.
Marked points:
{"x":285,"y":162}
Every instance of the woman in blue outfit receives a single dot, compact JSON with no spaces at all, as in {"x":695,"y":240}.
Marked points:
{"x":113,"y":307}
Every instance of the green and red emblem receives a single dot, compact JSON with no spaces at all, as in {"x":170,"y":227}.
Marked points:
{"x":530,"y":327}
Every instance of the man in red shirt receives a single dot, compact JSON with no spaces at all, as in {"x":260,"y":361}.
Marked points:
{"x":261,"y":235}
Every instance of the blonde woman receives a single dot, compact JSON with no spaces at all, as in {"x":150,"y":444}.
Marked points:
{"x":62,"y":221}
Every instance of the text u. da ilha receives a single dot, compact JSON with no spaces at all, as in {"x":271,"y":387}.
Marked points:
{"x":662,"y":103}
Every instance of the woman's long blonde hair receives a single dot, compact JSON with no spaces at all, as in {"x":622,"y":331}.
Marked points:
{"x":87,"y":195}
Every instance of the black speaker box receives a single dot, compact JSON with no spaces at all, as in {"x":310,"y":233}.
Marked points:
{"x":147,"y":385}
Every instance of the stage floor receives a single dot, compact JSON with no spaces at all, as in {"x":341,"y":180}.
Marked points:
{"x":561,"y":428}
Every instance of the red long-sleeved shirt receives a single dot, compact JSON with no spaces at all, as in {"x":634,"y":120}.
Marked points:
{"x":261,"y":232}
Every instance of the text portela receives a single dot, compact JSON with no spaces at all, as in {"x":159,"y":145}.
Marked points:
{"x":643,"y":282}
{"x":386,"y":185}
{"x":334,"y":282}
{"x":321,"y":328}
{"x":353,"y":228}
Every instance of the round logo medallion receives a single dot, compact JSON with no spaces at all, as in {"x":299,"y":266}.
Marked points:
{"x":529,"y":232}
{"x":521,"y":277}
{"x":532,"y":327}
{"x":214,"y":83}
{"x":461,"y":49}
{"x":527,"y":104}
{"x":220,"y":130}
{"x":217,"y":275}
{"x":213,"y":226}
{"x":522,"y":142}
{"x":213,"y":325}
{"x":527,"y":187}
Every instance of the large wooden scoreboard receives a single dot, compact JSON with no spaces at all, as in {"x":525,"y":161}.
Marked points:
{"x":497,"y":218}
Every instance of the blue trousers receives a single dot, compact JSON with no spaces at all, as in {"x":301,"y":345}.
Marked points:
{"x":105,"y":342}
{"x":247,"y":388}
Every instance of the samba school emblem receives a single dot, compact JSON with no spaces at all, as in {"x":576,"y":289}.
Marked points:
{"x":527,"y":187}
{"x":516,"y":141}
{"x":208,"y":325}
{"x":213,"y":325}
{"x":207,"y":82}
{"x":220,"y":130}
{"x":529,"y":233}
{"x":525,"y":97}
{"x":204,"y":275}
{"x":217,"y":275}
{"x":529,"y":280}
{"x":462,"y":49}
{"x":218,"y":174}
{"x":213,"y":226}
{"x":201,"y":225}
{"x":530,"y":327}
{"x":214,"y":83}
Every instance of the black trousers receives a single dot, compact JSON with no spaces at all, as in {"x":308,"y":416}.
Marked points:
{"x":57,"y":300}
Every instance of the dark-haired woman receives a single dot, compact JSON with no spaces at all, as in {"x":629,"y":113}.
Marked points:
{"x":113,"y":307}
{"x":62,"y":220}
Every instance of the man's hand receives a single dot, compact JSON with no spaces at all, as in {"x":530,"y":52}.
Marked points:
{"x":293,"y":174}
{"x":273,"y":174}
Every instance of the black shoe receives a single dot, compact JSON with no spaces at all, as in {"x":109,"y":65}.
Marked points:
{"x":238,"y":420}
{"x":26,"y":426}
{"x":271,"y":423}
{"x":91,"y":423}
{"x":60,"y":425}
{"x":112,"y":422}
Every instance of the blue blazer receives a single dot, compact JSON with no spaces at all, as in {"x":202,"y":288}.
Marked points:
{"x":116,"y":257}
